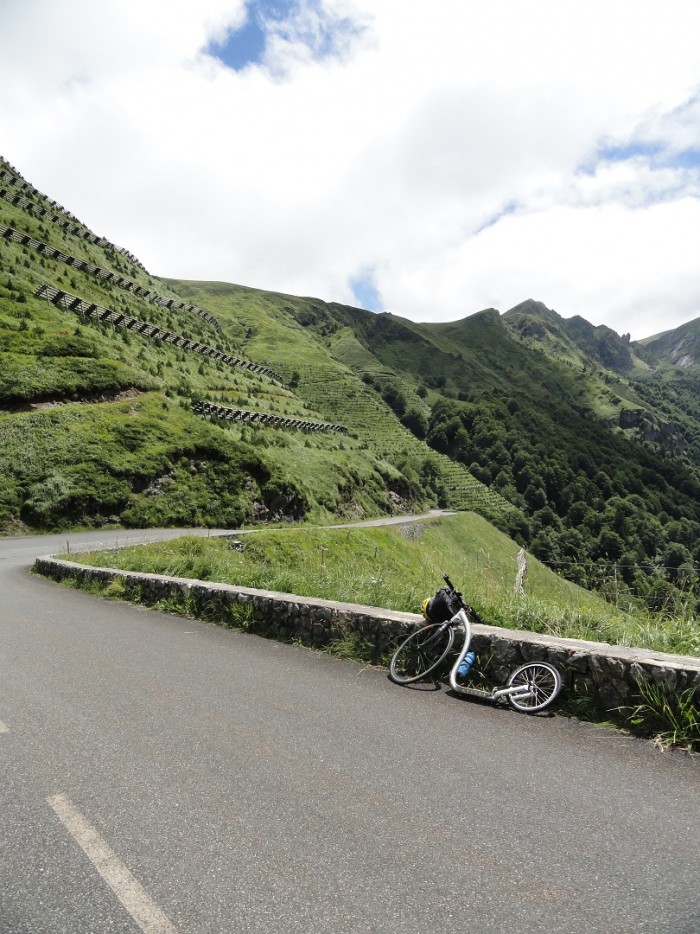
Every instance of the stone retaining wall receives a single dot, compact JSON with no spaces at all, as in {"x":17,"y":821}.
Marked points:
{"x":607,"y":675}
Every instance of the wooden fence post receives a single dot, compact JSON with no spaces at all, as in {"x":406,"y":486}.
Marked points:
{"x":520,"y":577}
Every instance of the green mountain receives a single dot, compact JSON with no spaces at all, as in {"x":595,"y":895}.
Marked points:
{"x":135,"y":400}
{"x":576,"y":340}
{"x":678,"y":348}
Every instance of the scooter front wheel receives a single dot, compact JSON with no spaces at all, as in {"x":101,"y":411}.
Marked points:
{"x":543,"y":683}
{"x":421,"y":653}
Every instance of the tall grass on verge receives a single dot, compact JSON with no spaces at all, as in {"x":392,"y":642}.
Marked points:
{"x":640,"y":629}
{"x":672,"y":718}
{"x":395,"y":568}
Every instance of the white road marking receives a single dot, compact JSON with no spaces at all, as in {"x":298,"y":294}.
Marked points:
{"x":4,"y":728}
{"x":130,"y":893}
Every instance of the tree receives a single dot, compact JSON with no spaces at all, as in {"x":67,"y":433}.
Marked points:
{"x":545,"y":546}
{"x":535,"y":497}
{"x":674,"y":557}
{"x":416,"y":421}
{"x":609,"y":545}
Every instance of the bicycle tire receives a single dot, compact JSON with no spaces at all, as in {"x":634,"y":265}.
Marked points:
{"x":544,"y":682}
{"x":421,"y":653}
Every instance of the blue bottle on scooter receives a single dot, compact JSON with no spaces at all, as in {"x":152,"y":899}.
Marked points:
{"x":466,"y":664}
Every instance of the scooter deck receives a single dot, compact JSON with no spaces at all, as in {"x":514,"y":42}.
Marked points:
{"x":474,"y":692}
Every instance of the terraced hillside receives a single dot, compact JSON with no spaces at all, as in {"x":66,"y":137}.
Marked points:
{"x":124,"y":399}
{"x":101,"y":366}
{"x":329,"y":370}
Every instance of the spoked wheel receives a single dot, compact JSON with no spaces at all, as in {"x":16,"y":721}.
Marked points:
{"x":543,"y":682}
{"x":421,"y":653}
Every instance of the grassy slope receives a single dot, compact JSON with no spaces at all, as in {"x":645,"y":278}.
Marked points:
{"x":302,"y":338}
{"x":73,"y":454}
{"x":570,"y":444}
{"x":397,"y":566}
{"x":679,"y":347}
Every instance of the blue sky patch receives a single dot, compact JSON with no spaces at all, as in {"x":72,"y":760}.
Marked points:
{"x":685,"y":159}
{"x":510,"y":208}
{"x":658,"y":154}
{"x":365,"y":291}
{"x":242,"y":47}
{"x":631,"y":150}
{"x":299,"y":22}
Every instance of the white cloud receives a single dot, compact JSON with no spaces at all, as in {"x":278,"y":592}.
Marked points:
{"x":598,"y":262}
{"x":442,"y":148}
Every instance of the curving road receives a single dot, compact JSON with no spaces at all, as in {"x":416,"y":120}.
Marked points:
{"x":162,"y":775}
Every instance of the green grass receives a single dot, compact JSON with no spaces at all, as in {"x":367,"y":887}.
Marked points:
{"x":150,"y":461}
{"x":147,"y":461}
{"x":672,"y":718}
{"x":397,"y":566}
{"x":25,"y":378}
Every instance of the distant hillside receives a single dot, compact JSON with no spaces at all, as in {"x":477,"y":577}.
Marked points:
{"x":128,"y":399}
{"x":679,"y":347}
{"x":575,"y":339}
{"x":602,"y":463}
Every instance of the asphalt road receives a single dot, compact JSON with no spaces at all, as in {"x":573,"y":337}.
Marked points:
{"x":160,"y":774}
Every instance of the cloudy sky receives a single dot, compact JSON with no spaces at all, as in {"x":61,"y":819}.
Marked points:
{"x":429,"y":159}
